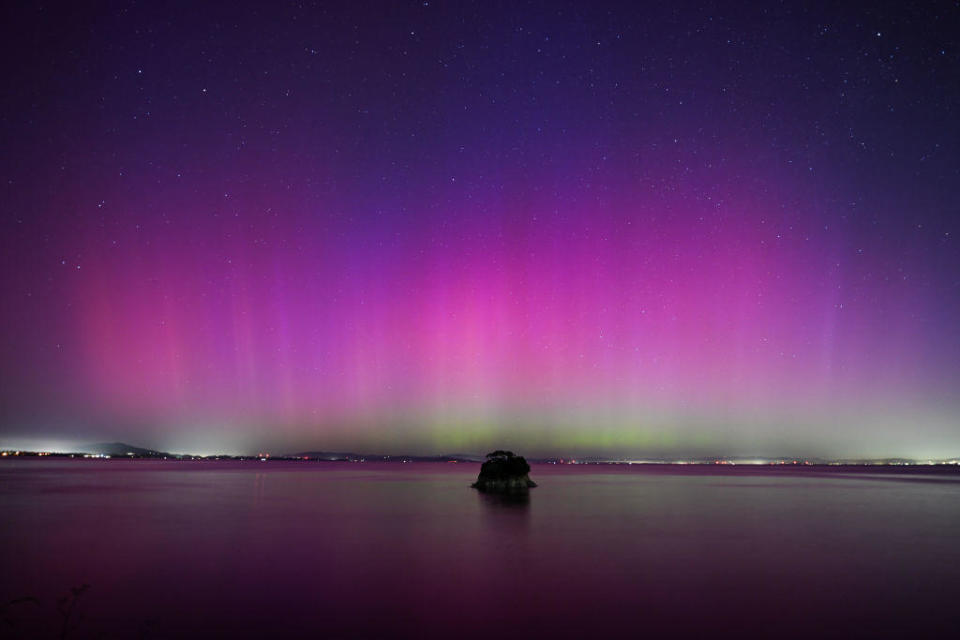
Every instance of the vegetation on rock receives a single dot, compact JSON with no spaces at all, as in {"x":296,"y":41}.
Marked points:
{"x":504,"y":472}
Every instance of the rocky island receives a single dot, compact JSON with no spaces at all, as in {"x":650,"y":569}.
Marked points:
{"x":504,"y":472}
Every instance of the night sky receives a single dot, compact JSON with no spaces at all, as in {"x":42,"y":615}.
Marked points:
{"x":442,"y":227}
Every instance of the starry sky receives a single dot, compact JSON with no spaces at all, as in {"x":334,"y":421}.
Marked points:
{"x":594,"y":228}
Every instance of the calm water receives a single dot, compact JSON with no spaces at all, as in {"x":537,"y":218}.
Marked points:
{"x":408,"y":550}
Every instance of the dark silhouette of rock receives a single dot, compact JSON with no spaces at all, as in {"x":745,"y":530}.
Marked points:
{"x":504,"y":472}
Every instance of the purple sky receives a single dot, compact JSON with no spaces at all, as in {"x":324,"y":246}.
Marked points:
{"x":437,"y":227}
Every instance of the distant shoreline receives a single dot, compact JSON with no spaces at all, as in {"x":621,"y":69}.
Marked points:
{"x":947,"y":465}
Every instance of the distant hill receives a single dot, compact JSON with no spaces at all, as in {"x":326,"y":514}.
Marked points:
{"x":123,"y":449}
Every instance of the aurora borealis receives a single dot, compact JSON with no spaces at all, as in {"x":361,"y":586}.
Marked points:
{"x":438,"y":227}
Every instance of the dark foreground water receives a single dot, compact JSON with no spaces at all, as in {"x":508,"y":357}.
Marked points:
{"x":326,"y":550}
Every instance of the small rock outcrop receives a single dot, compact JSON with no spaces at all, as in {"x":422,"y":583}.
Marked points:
{"x":504,"y":472}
